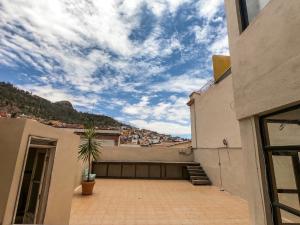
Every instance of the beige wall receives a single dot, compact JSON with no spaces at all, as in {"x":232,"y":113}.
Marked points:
{"x":213,"y":120}
{"x":63,"y":173}
{"x":193,"y":125}
{"x":10,"y":140}
{"x":265,"y":58}
{"x":215,"y":117}
{"x":230,"y":174}
{"x":265,"y":66}
{"x":185,"y":144}
{"x":256,"y":181}
{"x":146,"y":154}
{"x":80,"y":166}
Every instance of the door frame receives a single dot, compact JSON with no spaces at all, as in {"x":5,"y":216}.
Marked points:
{"x":48,"y":173}
{"x":267,"y":153}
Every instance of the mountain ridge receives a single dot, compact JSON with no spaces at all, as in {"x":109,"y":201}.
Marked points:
{"x":14,"y":100}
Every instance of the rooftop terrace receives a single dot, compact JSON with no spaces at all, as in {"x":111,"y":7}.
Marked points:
{"x":145,"y":202}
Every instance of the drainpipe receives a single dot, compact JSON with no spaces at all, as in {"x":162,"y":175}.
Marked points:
{"x":220,"y":168}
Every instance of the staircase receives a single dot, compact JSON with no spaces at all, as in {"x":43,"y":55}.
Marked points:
{"x":197,"y":175}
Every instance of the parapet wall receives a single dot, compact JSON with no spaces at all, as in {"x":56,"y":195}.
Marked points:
{"x":132,"y":154}
{"x":224,"y":167}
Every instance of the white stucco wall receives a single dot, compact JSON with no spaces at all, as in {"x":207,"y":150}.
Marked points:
{"x":215,"y":121}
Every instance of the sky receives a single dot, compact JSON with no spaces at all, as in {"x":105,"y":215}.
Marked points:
{"x":134,"y":60}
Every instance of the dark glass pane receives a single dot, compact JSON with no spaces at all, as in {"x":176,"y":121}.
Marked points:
{"x":30,"y":161}
{"x":25,"y":186}
{"x":33,"y":197}
{"x":39,"y":166}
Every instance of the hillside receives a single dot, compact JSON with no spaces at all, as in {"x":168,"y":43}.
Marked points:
{"x":14,"y":100}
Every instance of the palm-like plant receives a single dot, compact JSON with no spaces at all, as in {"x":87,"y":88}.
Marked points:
{"x":90,"y":148}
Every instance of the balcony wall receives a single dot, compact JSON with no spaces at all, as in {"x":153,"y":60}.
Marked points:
{"x":146,"y":154}
{"x":143,"y":162}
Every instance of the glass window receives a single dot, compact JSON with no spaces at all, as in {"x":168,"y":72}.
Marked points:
{"x":284,"y":172}
{"x":284,"y":128}
{"x":288,"y":218}
{"x":250,"y":9}
{"x":281,"y":146}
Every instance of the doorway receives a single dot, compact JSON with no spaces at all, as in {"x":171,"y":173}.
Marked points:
{"x":281,"y":145}
{"x":35,"y":181}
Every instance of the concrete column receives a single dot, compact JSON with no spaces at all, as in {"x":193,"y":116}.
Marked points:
{"x":256,"y":181}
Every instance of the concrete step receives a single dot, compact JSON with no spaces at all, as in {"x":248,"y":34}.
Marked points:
{"x":204,"y":177}
{"x":201,"y":182}
{"x":196,"y":170}
{"x":196,"y":173}
{"x":194,"y":167}
{"x":199,"y":169}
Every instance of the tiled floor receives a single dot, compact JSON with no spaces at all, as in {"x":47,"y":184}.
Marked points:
{"x":155,"y":202}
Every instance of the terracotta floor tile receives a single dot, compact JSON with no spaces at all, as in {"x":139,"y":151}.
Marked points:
{"x":157,"y":202}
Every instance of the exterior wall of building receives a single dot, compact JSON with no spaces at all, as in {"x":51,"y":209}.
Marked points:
{"x":230,"y":174}
{"x":215,"y":121}
{"x":215,"y":116}
{"x":80,"y":166}
{"x":105,"y":137}
{"x":265,"y":58}
{"x":10,"y":140}
{"x":146,"y":154}
{"x":256,"y":181}
{"x":193,"y":126}
{"x":109,"y":140}
{"x":62,"y":177}
{"x":265,"y":65}
{"x":185,"y":144}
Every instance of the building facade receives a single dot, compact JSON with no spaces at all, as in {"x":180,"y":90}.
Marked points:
{"x":37,"y":175}
{"x":265,"y":77}
{"x":216,"y":138}
{"x":107,"y":138}
{"x":265,"y":91}
{"x":265,"y":70}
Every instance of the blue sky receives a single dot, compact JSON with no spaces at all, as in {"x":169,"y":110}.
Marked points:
{"x":136,"y":61}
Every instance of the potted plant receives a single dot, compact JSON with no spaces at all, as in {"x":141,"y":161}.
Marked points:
{"x":89,"y":150}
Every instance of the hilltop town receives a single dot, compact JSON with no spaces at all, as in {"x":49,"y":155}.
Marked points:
{"x":15,"y":102}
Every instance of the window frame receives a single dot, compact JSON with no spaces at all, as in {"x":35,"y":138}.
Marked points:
{"x":267,"y":149}
{"x":244,"y":19}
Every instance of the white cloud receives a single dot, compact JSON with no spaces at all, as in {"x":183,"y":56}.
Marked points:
{"x":141,"y":108}
{"x":163,"y":127}
{"x":84,"y":47}
{"x":220,"y":46}
{"x":209,"y":8}
{"x":202,"y":33}
{"x":54,"y":33}
{"x":180,"y":84}
{"x":173,"y":109}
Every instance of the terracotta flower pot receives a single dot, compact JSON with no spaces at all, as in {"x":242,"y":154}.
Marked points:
{"x":87,"y":187}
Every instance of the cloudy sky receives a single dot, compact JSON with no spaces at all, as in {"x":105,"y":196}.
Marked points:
{"x":134,"y":60}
